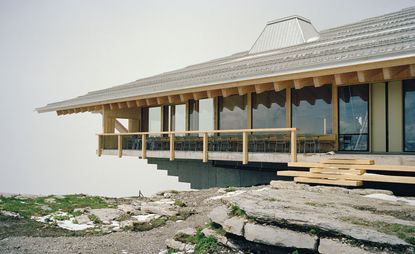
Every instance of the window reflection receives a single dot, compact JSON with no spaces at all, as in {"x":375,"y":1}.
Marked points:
{"x":409,"y":115}
{"x":201,"y":114}
{"x":178,"y":117}
{"x":268,"y":110}
{"x":232,"y":112}
{"x":353,"y":118}
{"x":311,"y":110}
{"x":154,"y":119}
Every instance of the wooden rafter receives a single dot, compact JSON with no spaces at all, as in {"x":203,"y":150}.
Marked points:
{"x":141,"y":103}
{"x":229,"y":91}
{"x":412,"y":70}
{"x":122,"y":105}
{"x":323,"y":80}
{"x":345,"y":78}
{"x":200,"y":95}
{"x":242,"y":90}
{"x":260,"y":88}
{"x":369,"y":75}
{"x":300,"y":83}
{"x":214,"y":93}
{"x":281,"y":85}
{"x":113,"y":106}
{"x":151,"y":101}
{"x":174,"y":99}
{"x":131,"y":104}
{"x":162,"y":100}
{"x":185,"y":97}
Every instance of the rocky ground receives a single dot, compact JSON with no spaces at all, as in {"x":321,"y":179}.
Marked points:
{"x":281,"y":218}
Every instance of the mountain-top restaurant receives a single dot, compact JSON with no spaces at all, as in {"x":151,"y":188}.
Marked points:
{"x":298,"y":98}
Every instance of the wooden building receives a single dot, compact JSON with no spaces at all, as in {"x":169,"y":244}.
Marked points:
{"x":297,"y":95}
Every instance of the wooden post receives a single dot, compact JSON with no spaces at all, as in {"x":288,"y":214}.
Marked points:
{"x":119,"y":146}
{"x":205,"y":147}
{"x":144,"y":146}
{"x":288,"y":107}
{"x":293,"y":146}
{"x":245,"y":147}
{"x":335,"y":112}
{"x":171,"y":146}
{"x":99,"y":145}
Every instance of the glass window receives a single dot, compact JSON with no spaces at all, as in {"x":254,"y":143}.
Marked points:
{"x":154,"y":117}
{"x":353,"y":118}
{"x":193,"y":115}
{"x":409,"y":115}
{"x":268,"y":110}
{"x":311,"y":110}
{"x":206,"y":114}
{"x":232,"y":112}
{"x":179,"y":117}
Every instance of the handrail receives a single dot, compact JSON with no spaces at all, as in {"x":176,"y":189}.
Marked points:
{"x":245,"y":137}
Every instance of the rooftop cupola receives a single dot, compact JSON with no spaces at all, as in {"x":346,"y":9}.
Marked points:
{"x":285,"y":32}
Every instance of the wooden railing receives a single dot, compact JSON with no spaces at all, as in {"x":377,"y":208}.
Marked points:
{"x":205,"y":135}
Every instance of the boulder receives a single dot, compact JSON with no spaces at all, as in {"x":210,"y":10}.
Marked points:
{"x":107,"y":214}
{"x":234,"y":225}
{"x":187,"y":248}
{"x":126,"y":224}
{"x":187,"y":231}
{"x":274,"y":236}
{"x":83,"y":219}
{"x":127,"y":208}
{"x":146,"y":218}
{"x":219,"y":215}
{"x":148,"y":208}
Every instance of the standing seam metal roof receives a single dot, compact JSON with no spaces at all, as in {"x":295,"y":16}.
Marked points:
{"x":385,"y":37}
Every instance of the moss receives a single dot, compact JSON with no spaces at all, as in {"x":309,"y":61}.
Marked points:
{"x":236,"y":211}
{"x":171,"y":250}
{"x":406,"y":233}
{"x":179,"y":203}
{"x":230,"y":189}
{"x":155,"y":223}
{"x":182,"y":215}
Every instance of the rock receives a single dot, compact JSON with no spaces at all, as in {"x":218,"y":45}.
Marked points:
{"x":234,"y":225}
{"x":80,"y":210}
{"x":106,"y":214}
{"x":127,"y":208}
{"x":328,"y":245}
{"x":158,"y":210}
{"x":146,"y":218}
{"x":187,"y":231}
{"x":219,"y":214}
{"x":10,"y":214}
{"x":279,"y":237}
{"x":168,"y":195}
{"x":83,"y":219}
{"x":45,"y":208}
{"x":221,"y":238}
{"x":127,"y":224}
{"x":171,"y":243}
{"x":50,"y":200}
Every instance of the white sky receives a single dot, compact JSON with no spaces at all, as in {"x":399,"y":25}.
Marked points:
{"x":55,"y":50}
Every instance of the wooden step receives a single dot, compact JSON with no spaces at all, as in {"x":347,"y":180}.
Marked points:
{"x":392,"y":168}
{"x":338,"y":171}
{"x":314,"y":175}
{"x":348,"y":161}
{"x":328,"y":182}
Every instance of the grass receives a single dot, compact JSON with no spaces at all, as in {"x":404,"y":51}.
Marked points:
{"x":94,"y":219}
{"x":29,"y":207}
{"x":406,"y":233}
{"x":203,"y":244}
{"x":155,"y":223}
{"x":217,"y":227}
{"x":182,"y":215}
{"x":230,"y":189}
{"x":236,"y":211}
{"x":179,"y":203}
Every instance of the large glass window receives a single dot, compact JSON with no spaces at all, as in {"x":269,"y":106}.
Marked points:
{"x":193,"y":115}
{"x":178,"y":117}
{"x":206,"y":114}
{"x":353,"y":118}
{"x":268,"y":110}
{"x":232,"y":112}
{"x":311,"y":110}
{"x":154,"y":119}
{"x":409,"y":115}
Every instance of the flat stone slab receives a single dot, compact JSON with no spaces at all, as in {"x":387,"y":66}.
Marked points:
{"x":234,"y":225}
{"x":335,"y":210}
{"x":106,"y":214}
{"x":219,"y":214}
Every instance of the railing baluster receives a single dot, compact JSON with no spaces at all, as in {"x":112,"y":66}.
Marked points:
{"x":293,"y":146}
{"x":144,"y":146}
{"x":119,"y":146}
{"x":245,"y":147}
{"x":171,"y":146}
{"x":205,"y":147}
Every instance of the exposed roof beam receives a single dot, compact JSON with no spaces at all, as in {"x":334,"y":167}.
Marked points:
{"x":185,"y":97}
{"x":260,"y":88}
{"x":323,"y":80}
{"x":131,"y":104}
{"x":369,"y":75}
{"x":395,"y":72}
{"x":151,"y":101}
{"x":214,"y":93}
{"x":122,"y":105}
{"x":300,"y":83}
{"x":174,"y":99}
{"x":345,"y":78}
{"x":246,"y":89}
{"x":106,"y":106}
{"x":162,"y":100}
{"x":199,"y":95}
{"x":229,"y":91}
{"x":412,"y":70}
{"x":141,"y":103}
{"x":281,"y":85}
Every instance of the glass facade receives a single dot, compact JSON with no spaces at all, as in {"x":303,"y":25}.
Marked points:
{"x":353,"y":118}
{"x":154,"y":119}
{"x":409,"y":115}
{"x":178,"y":117}
{"x":268,"y":110}
{"x":312,"y":110}
{"x":233,"y":112}
{"x":206,"y":114}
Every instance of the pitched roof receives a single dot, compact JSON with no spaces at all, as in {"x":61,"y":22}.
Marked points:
{"x":379,"y":38}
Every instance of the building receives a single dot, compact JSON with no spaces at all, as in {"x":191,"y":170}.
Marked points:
{"x":297,"y":94}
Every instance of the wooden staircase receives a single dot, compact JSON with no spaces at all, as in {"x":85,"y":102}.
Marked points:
{"x":347,"y":172}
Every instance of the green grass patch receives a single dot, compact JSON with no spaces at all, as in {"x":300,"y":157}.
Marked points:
{"x":33,"y":206}
{"x":217,"y":227}
{"x":152,"y":224}
{"x":406,"y":233}
{"x":236,"y":211}
{"x":182,"y":215}
{"x":179,"y":203}
{"x":94,"y":219}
